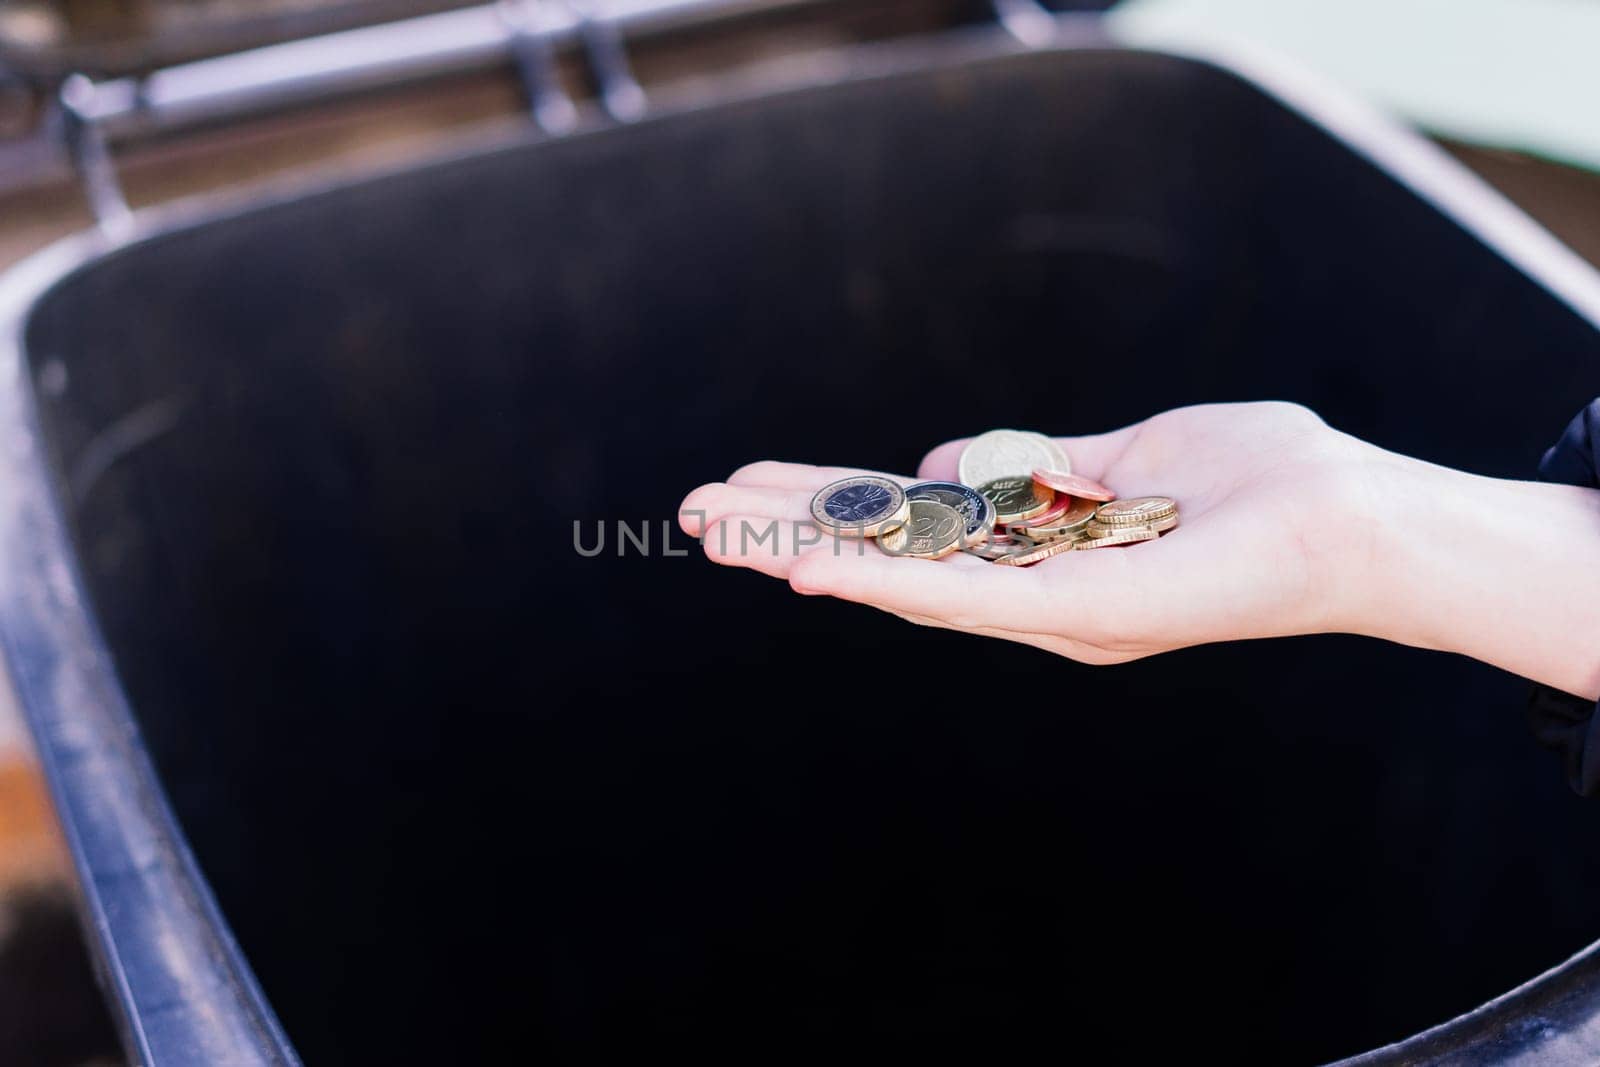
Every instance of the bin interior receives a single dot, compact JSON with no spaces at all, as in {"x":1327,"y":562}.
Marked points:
{"x":459,"y":789}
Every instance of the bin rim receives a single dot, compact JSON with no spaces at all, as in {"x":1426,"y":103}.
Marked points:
{"x":180,"y":986}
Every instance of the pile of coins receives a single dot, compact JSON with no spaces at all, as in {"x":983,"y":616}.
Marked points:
{"x":1017,"y":503}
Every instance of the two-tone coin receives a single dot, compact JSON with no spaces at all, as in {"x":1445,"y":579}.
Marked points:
{"x":931,"y":530}
{"x":1071,"y":521}
{"x":1130,"y":536}
{"x":973,"y":505}
{"x":1009,"y":454}
{"x":1073,"y":485}
{"x":1136,"y":510}
{"x":1017,"y":498}
{"x":859,"y":506}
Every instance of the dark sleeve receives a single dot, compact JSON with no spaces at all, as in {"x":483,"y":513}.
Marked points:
{"x":1561,"y":721}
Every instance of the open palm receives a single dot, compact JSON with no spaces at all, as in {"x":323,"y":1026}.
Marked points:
{"x":1260,"y":550}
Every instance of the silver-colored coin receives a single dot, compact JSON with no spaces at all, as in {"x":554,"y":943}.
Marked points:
{"x":1059,"y":452}
{"x":1009,"y":454}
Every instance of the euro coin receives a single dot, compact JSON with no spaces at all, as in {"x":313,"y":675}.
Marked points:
{"x":1041,"y":539}
{"x":1017,"y":498}
{"x":1131,"y":535}
{"x":1136,"y":511}
{"x":1008,"y":454}
{"x":859,"y":506}
{"x":1029,"y":556}
{"x":973,"y":505}
{"x":1068,"y":522}
{"x":997,"y":548}
{"x":1073,"y":485}
{"x":931,"y":531}
{"x":1063,"y":461}
{"x":1100,"y":529}
{"x":1057,"y":508}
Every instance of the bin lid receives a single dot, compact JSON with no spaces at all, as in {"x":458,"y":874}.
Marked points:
{"x":1516,"y":74}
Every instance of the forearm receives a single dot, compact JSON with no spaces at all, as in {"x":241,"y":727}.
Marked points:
{"x":1505,"y":572}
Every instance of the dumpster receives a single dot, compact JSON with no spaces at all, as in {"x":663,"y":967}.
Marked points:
{"x":362,"y":760}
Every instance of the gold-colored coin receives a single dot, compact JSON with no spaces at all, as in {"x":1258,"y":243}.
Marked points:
{"x":1130,"y":535}
{"x":931,"y":531}
{"x":1030,"y":556}
{"x":1009,"y":454}
{"x":1040,"y":539}
{"x":1070,"y":524}
{"x":1100,"y":529}
{"x":1136,"y":511}
{"x":1015,"y":499}
{"x":996,"y":550}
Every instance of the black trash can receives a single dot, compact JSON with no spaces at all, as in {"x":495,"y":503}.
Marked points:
{"x":291,"y":595}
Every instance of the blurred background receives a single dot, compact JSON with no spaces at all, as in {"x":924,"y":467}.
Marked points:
{"x":1507,"y":87}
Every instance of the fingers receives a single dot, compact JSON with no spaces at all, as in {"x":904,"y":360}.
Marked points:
{"x":760,"y":517}
{"x":760,"y":520}
{"x":767,"y":489}
{"x":710,"y":502}
{"x":1091,"y":454}
{"x":773,"y":546}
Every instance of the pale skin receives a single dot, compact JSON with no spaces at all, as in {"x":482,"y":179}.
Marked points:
{"x":1288,"y":527}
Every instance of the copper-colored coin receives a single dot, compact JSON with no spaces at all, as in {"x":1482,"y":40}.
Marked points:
{"x":1057,"y":509}
{"x":1136,"y":511}
{"x":1100,"y":529}
{"x":1073,"y":485}
{"x":1029,"y":556}
{"x":1132,"y":535}
{"x":1015,"y":499}
{"x":1069,"y":522}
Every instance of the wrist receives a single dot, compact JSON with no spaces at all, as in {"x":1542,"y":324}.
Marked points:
{"x":1506,"y":572}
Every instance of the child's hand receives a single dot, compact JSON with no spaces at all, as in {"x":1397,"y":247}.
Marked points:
{"x":1274,"y":540}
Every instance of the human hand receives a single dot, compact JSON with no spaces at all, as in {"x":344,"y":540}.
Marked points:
{"x":1269,"y":543}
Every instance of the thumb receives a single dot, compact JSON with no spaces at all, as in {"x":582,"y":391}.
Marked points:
{"x":940,"y":464}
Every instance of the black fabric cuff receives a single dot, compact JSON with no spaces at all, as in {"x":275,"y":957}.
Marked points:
{"x":1560,"y":721}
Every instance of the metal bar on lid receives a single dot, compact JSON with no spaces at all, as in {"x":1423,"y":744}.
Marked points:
{"x":620,"y":92}
{"x":526,"y":32}
{"x":279,"y":75}
{"x":86,"y":143}
{"x":1029,"y":21}
{"x":535,"y":57}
